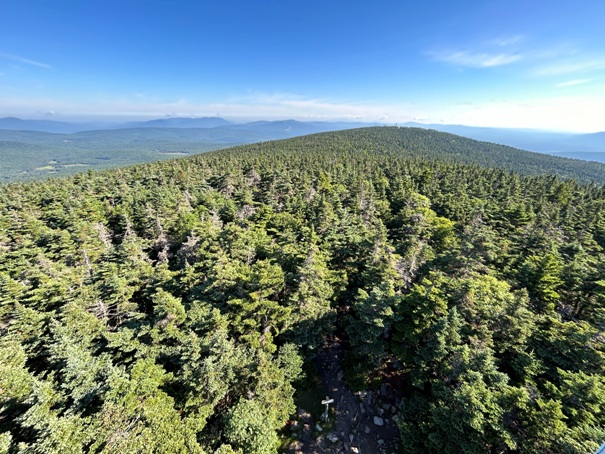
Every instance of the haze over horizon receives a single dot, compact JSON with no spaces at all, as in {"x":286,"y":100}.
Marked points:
{"x":491,"y":63}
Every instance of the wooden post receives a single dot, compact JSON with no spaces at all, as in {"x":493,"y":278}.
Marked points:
{"x":327,"y":403}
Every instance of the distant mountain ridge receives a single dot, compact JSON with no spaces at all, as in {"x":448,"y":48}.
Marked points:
{"x":178,"y":122}
{"x":51,"y":126}
{"x":287,"y":127}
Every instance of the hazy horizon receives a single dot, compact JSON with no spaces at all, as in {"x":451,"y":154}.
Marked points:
{"x":120,"y":120}
{"x":490,"y":64}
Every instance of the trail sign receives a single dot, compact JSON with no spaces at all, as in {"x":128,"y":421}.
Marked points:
{"x":327,"y":401}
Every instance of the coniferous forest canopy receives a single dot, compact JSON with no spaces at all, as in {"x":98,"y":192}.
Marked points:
{"x":177,"y":306}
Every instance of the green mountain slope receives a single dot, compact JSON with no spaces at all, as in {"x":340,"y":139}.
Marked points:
{"x":417,"y":143}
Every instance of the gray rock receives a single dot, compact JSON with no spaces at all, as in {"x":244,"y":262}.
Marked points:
{"x":380,"y":442}
{"x":319,"y":428}
{"x":367,"y":429}
{"x":354,"y":449}
{"x":340,"y":375}
{"x":351,"y":438}
{"x":332,"y":437}
{"x":362,"y":407}
{"x":378,"y":421}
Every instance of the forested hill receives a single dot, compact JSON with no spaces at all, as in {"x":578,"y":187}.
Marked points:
{"x":27,"y":155}
{"x":178,"y":306}
{"x":441,"y":146}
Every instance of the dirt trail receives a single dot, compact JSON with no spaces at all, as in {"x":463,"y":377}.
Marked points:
{"x":362,"y":422}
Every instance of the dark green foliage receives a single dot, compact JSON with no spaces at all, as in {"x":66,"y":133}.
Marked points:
{"x":168,"y":307}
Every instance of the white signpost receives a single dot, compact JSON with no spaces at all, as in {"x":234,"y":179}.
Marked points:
{"x":327,"y":401}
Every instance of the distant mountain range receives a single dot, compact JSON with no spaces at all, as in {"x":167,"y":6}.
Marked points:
{"x":204,"y":122}
{"x":284,"y":127}
{"x":58,"y":127}
{"x":562,"y":144}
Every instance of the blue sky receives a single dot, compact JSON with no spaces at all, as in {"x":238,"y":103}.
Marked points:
{"x":535,"y":64}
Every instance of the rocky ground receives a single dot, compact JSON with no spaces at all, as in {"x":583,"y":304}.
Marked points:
{"x":363,"y":422}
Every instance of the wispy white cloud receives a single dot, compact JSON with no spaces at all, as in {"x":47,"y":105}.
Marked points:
{"x":571,"y":83}
{"x":505,"y":41}
{"x":295,"y":106}
{"x":536,"y":59}
{"x":292,"y":105}
{"x":24,"y":60}
{"x":500,"y":51}
{"x":478,"y":59}
{"x":571,"y":67}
